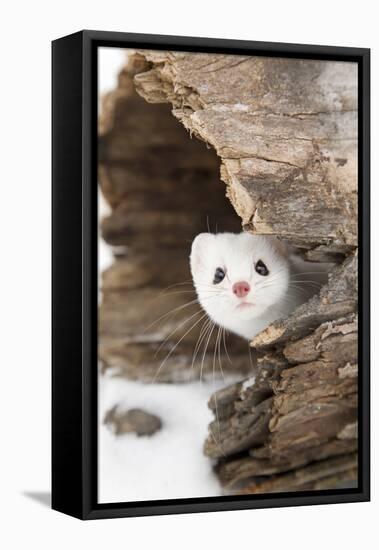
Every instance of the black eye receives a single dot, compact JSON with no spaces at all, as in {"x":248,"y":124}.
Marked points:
{"x":261,"y":268}
{"x":219,"y":276}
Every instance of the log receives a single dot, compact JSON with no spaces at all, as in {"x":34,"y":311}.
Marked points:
{"x":285,"y":131}
{"x":282,"y":136}
{"x":157,"y":183}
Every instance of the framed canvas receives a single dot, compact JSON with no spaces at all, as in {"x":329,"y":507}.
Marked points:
{"x":210,"y":275}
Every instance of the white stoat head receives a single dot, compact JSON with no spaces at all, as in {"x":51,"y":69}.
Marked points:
{"x":238,"y":276}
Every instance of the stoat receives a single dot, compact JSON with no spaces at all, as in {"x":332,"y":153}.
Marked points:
{"x":244,"y":282}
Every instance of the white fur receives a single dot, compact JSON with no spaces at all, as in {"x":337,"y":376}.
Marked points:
{"x":270,"y":297}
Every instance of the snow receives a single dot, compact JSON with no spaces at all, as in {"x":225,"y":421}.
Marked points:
{"x":247,"y":384}
{"x":105,"y":256}
{"x":110,"y":62}
{"x":168,"y":464}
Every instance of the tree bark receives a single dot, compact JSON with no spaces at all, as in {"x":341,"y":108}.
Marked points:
{"x":285,"y":131}
{"x":163,"y":189}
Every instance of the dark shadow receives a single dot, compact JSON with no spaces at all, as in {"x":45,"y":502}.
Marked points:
{"x":41,"y":497}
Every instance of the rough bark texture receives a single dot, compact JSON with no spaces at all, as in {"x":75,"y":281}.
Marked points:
{"x":163,"y":189}
{"x":285,"y":133}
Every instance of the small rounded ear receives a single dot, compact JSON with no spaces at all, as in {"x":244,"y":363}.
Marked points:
{"x":199,"y":250}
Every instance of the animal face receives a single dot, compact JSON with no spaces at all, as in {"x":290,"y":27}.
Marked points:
{"x":238,"y":276}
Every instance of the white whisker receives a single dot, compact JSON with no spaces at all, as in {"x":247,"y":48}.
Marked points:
{"x":202,"y":334}
{"x":226,"y":351}
{"x":176,"y":345}
{"x":175,"y":329}
{"x":205,"y":349}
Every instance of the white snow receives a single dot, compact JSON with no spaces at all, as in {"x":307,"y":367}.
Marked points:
{"x":247,"y":384}
{"x":111,"y":61}
{"x":168,"y":464}
{"x":105,"y":256}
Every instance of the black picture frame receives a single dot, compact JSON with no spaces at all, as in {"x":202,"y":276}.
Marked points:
{"x":74,"y":272}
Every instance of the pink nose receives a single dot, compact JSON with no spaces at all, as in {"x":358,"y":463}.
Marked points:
{"x":241,"y":289}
